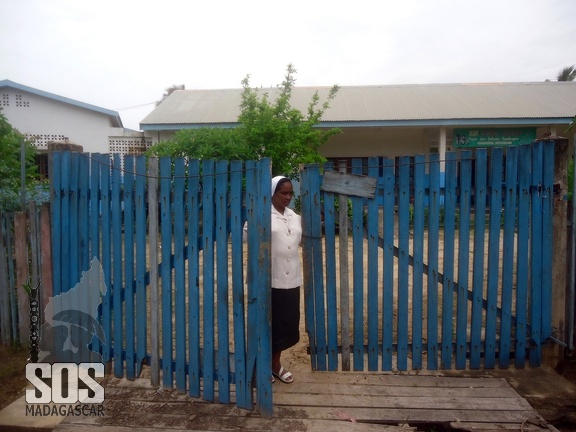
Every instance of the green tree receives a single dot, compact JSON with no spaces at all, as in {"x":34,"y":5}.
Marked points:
{"x":268,"y":127}
{"x":567,"y":74}
{"x":10,"y":176}
{"x":169,"y":91}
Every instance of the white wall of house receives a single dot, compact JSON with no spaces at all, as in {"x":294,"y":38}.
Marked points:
{"x":53,"y":120}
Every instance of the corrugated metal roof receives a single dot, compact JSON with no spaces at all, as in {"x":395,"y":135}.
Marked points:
{"x":385,"y":103}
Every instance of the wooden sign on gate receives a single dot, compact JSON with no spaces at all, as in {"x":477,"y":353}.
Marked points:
{"x":349,"y":184}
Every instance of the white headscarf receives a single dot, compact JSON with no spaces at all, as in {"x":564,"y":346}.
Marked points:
{"x":275,"y":181}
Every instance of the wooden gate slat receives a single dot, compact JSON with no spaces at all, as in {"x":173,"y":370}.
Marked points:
{"x":388,"y":264}
{"x":193,"y":203}
{"x":418,"y":251}
{"x":547,"y":229}
{"x":403,"y":265}
{"x":536,"y":256}
{"x":481,"y":166}
{"x":508,"y":256}
{"x":463,"y":260}
{"x":117,"y":267}
{"x":433,"y":268}
{"x":493,"y":257}
{"x":141,"y":296}
{"x":106,"y":255}
{"x":221,"y":237}
{"x":450,"y":200}
{"x":358,"y":272}
{"x":238,"y":302}
{"x":179,"y":276}
{"x":128,"y":222}
{"x":331,"y":292}
{"x":94,"y":206}
{"x":372,"y":285}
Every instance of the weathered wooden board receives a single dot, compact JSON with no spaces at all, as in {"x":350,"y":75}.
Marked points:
{"x":349,"y":184}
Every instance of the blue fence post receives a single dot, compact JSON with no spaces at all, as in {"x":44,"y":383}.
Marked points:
{"x":128,"y":224}
{"x":433,"y":269}
{"x":403,"y":259}
{"x":358,"y":272}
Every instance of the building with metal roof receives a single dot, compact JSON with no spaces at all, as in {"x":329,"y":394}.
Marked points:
{"x":395,"y":120}
{"x":49,"y":118}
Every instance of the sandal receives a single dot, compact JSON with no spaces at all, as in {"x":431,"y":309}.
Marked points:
{"x":284,"y":375}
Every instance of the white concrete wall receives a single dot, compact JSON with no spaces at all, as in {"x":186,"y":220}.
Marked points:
{"x":43,"y":116}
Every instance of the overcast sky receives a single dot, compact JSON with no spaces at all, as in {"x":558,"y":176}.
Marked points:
{"x":122,"y":54}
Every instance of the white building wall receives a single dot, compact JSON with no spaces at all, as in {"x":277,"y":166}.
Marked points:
{"x":52,"y":120}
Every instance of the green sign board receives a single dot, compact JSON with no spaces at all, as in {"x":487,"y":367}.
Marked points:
{"x":493,"y":137}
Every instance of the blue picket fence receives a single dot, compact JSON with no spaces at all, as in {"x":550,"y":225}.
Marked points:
{"x":471,"y":288}
{"x":167,"y":234}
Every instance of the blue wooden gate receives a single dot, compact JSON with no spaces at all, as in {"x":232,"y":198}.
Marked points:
{"x":166,"y":235}
{"x":444,"y":274}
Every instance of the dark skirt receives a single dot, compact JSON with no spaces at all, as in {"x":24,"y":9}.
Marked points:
{"x":285,"y":318}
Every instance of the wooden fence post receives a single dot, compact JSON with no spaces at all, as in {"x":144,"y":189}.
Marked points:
{"x":22,"y":274}
{"x":553,"y":353}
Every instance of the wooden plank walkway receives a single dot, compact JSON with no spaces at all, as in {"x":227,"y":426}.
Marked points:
{"x":323,"y":402}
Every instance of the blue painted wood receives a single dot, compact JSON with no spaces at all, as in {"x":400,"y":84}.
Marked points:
{"x":94,"y":200}
{"x":106,"y":255}
{"x":388,"y":211}
{"x":358,"y":272}
{"x":450,"y":199}
{"x":463,"y":259}
{"x":372,"y":294}
{"x":481,"y":166}
{"x":83,"y":212}
{"x":193,"y":203}
{"x":433,"y":269}
{"x":522,"y":272}
{"x":141,"y":297}
{"x":179,"y":275}
{"x":547,"y":240}
{"x":493,"y":257}
{"x":73,"y":246}
{"x":508,"y":256}
{"x":238,"y":304}
{"x":315,"y":222}
{"x":128,"y":205}
{"x":221,"y":236}
{"x":308,"y":268}
{"x":208,"y":277}
{"x":535,"y":353}
{"x":67,"y":240}
{"x":403,"y":259}
{"x":165,"y":165}
{"x":418,"y":251}
{"x":331,"y":292}
{"x":56,"y":216}
{"x":251,"y":274}
{"x":117,"y":258}
{"x":264,"y":360}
